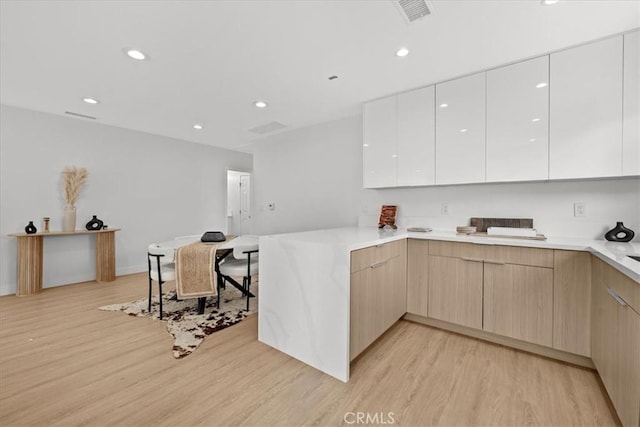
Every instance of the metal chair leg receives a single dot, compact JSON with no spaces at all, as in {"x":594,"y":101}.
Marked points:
{"x":160,"y":298}
{"x":150,"y":292}
{"x":218,"y":296}
{"x":248,"y":293}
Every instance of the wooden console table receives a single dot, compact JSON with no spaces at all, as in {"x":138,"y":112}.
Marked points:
{"x":30,"y":255}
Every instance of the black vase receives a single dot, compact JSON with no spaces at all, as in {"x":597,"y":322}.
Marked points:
{"x":619,"y":233}
{"x":95,"y":224}
{"x":30,"y":228}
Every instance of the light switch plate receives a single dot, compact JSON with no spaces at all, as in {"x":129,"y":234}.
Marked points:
{"x":579,"y":209}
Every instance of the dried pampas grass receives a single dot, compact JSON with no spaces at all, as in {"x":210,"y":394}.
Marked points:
{"x":73,"y":179}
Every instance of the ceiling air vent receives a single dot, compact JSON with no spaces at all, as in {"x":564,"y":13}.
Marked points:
{"x":269,"y":127}
{"x":413,"y":10}
{"x":71,"y":113}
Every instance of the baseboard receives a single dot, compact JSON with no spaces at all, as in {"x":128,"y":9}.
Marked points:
{"x":123,"y":271}
{"x":539,"y":350}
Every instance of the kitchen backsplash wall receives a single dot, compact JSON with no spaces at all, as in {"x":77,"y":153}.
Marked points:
{"x":550,"y":204}
{"x":313,"y":176}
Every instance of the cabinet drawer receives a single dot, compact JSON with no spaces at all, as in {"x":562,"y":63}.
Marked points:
{"x":366,"y":257}
{"x":535,"y":257}
{"x":624,"y":286}
{"x":456,"y":250}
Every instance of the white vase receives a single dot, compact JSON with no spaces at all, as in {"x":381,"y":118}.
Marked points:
{"x":69,"y":218}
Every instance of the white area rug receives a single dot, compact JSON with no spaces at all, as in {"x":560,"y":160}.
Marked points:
{"x":183,"y":321}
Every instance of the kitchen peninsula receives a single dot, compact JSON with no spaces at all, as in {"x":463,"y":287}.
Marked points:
{"x":320,"y":289}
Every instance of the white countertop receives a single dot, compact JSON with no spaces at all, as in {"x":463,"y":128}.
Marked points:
{"x":353,"y":238}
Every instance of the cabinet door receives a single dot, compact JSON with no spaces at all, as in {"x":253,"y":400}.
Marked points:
{"x":604,"y":335}
{"x":572,"y":302}
{"x":365,"y":296}
{"x":518,"y":121}
{"x":418,"y":277}
{"x":416,"y":137}
{"x":379,"y":146}
{"x":586,"y":111}
{"x":628,"y":399}
{"x":455,"y":290}
{"x":460,"y":130}
{"x":394,"y":293}
{"x":631,"y":107}
{"x":518,"y":302}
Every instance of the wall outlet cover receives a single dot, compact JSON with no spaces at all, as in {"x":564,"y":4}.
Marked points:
{"x":579,"y":209}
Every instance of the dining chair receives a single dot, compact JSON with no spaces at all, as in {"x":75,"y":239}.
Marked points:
{"x":243,"y":262}
{"x":162,"y":268}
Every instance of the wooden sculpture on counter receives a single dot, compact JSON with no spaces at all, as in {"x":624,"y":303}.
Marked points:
{"x":388,"y":216}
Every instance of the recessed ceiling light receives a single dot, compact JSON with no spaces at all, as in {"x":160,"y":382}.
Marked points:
{"x":403,"y":51}
{"x":549,"y":2}
{"x":536,"y":119}
{"x":198,"y":127}
{"x":260,"y":104}
{"x":464,"y":130}
{"x":394,"y":155}
{"x":532,"y":140}
{"x":444,"y":105}
{"x":91,"y":100}
{"x":365,"y":145}
{"x":135,"y":54}
{"x":541,"y":85}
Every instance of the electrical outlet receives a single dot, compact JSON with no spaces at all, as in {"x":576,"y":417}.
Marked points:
{"x":444,"y":208}
{"x":579,"y":209}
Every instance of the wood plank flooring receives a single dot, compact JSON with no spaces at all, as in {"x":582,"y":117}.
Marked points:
{"x":65,"y":363}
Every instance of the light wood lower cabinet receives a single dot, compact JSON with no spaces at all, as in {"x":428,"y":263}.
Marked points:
{"x":378,"y":293}
{"x":518,"y":302}
{"x":455,"y":290}
{"x":615,"y":343}
{"x":572,"y":302}
{"x":417,"y":276}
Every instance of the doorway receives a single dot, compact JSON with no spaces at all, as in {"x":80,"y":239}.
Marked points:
{"x":239,"y":216}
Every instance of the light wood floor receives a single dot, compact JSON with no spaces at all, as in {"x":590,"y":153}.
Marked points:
{"x":63,"y":362}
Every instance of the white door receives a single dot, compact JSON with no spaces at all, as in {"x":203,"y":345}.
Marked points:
{"x":245,"y":204}
{"x":518,"y":121}
{"x":460,"y":130}
{"x":585,"y":124}
{"x":380,"y":143}
{"x":416,"y":137}
{"x":631,"y":108}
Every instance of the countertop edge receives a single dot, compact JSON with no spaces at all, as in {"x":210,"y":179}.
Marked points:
{"x":613,"y":253}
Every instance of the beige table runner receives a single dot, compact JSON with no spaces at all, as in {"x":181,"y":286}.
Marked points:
{"x":195,"y":272}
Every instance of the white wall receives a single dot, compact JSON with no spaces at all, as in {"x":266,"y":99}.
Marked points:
{"x":315,"y":177}
{"x":154,"y":188}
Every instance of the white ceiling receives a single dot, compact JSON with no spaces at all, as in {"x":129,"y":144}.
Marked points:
{"x":211,"y":59}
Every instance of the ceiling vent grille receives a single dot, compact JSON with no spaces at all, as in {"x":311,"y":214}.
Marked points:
{"x":269,"y":127}
{"x":71,"y":113}
{"x":413,"y":10}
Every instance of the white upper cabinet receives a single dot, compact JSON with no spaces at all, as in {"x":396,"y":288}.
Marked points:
{"x":586,"y":111}
{"x":518,"y":121}
{"x":631,"y":106}
{"x":460,"y":130}
{"x":380,"y":143}
{"x":416,"y":137}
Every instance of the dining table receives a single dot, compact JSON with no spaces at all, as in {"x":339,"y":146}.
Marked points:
{"x":223,"y":250}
